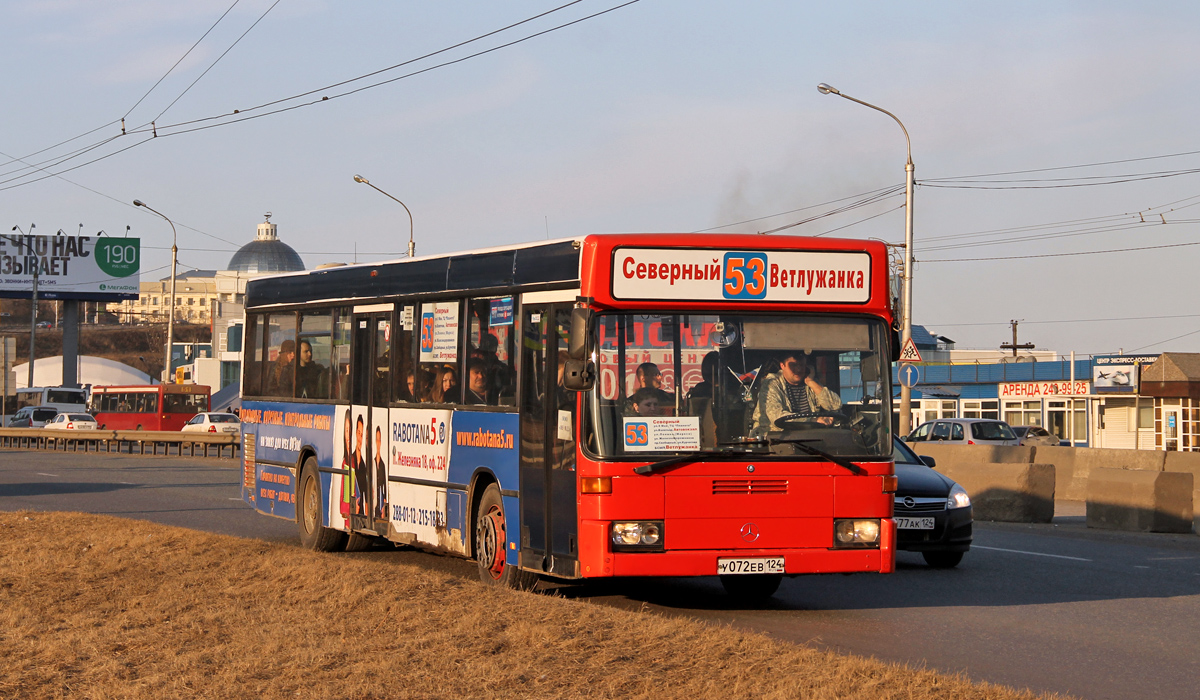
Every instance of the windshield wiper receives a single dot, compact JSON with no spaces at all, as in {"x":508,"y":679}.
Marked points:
{"x":660,"y":465}
{"x":802,"y":445}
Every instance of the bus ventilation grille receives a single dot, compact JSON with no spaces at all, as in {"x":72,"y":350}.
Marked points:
{"x":748,"y":487}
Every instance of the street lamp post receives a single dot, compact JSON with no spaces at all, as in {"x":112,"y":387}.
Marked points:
{"x":412,"y":247}
{"x":167,"y":378}
{"x":33,"y":302}
{"x":906,"y":327}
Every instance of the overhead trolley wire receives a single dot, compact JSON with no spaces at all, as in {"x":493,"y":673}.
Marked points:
{"x":157,"y":131}
{"x":218,"y":59}
{"x":185,"y":55}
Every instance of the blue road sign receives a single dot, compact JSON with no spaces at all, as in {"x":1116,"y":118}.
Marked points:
{"x":910,"y":375}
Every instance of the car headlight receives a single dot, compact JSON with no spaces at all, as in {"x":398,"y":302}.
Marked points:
{"x":958,"y":498}
{"x":645,"y":534}
{"x":855,"y":533}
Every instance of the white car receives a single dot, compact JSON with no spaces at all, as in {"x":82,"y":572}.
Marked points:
{"x":72,"y":421}
{"x":213,"y":423}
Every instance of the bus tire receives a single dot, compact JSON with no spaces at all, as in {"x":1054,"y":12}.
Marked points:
{"x":752,"y":586}
{"x":491,"y":538}
{"x":310,"y":513}
{"x":359,"y":543}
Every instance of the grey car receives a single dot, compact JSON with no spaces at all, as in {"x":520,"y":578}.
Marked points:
{"x":964,"y":431}
{"x":1035,"y":435}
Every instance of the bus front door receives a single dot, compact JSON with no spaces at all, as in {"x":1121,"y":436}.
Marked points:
{"x":370,"y":390}
{"x":549,"y":541}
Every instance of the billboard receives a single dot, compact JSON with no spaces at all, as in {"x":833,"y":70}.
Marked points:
{"x":70,"y":267}
{"x":1118,"y":374}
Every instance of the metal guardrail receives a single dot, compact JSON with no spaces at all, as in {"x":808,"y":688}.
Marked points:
{"x":121,"y":441}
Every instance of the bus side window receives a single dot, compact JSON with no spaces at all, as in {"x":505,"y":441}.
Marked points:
{"x":490,"y":378}
{"x":314,"y":353}
{"x":340,"y":358}
{"x":279,"y":369}
{"x":405,"y":382}
{"x":252,"y":362}
{"x":438,"y":361}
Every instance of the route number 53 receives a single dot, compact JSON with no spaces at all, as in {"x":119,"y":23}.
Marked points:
{"x":744,"y":276}
{"x":636,"y":434}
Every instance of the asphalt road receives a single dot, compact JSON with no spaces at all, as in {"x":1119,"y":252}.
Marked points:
{"x":1048,"y":607}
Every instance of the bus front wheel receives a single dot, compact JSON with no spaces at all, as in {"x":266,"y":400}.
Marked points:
{"x":491,"y":543}
{"x":310,"y":513}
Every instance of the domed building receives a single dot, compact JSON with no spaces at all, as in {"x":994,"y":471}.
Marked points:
{"x":266,"y":253}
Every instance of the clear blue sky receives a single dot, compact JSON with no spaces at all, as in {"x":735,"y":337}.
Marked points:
{"x":664,"y":115}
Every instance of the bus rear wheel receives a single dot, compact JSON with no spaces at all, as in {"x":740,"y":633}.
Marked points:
{"x":310,"y":513}
{"x":752,"y":586}
{"x":491,"y":538}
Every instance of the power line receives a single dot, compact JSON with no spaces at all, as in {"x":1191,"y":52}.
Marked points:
{"x":1069,"y":320}
{"x":1064,"y":255}
{"x":793,"y":211}
{"x":1167,"y":340}
{"x":154,"y":131}
{"x":1073,"y":167}
{"x":218,"y":59}
{"x":185,"y":55}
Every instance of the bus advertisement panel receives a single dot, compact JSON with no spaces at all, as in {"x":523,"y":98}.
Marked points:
{"x":722,"y":411}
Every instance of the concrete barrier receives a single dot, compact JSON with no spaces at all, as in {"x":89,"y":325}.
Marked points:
{"x":1187,"y":463}
{"x":1139,"y":500}
{"x":1070,"y":479}
{"x":1014,"y":493}
{"x":954,"y":455}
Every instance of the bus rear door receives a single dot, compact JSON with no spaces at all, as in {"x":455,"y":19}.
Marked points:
{"x":549,"y":538}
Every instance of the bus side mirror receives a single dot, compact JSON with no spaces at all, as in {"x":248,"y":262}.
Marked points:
{"x":581,"y":326}
{"x":895,"y":338}
{"x":579,"y":372}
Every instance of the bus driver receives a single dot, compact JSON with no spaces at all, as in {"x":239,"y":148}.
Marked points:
{"x":794,"y":389}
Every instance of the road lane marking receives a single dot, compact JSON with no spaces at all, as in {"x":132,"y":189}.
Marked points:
{"x":1021,"y":551}
{"x":1140,"y":567}
{"x":45,"y":474}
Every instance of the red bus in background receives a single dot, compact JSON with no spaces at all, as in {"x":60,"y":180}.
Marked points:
{"x":143,"y":407}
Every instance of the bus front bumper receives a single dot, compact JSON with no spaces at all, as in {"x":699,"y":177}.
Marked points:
{"x":703,"y":562}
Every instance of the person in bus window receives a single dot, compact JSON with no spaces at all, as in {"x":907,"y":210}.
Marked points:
{"x":700,"y":399}
{"x":362,"y":471}
{"x":381,"y":476}
{"x":793,"y":389}
{"x":310,"y":376}
{"x":445,"y":388}
{"x":282,"y":379}
{"x":645,"y":402}
{"x":477,"y":388}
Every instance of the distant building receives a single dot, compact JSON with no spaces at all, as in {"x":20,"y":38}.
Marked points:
{"x":214,"y":297}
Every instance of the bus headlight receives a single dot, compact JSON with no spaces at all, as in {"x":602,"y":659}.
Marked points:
{"x":645,"y":534}
{"x":855,"y":533}
{"x":958,"y":498}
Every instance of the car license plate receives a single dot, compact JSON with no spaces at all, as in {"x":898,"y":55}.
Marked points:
{"x":914,"y":523}
{"x":764,"y":565}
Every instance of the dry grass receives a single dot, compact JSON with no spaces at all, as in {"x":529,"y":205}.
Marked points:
{"x":99,"y":607}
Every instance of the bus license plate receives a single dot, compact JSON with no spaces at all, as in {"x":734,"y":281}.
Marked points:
{"x":767,"y":565}
{"x":914,"y":523}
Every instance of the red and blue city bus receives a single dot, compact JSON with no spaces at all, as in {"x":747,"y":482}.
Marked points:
{"x":613,"y":405}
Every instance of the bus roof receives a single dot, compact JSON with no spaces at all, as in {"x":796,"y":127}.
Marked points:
{"x":558,"y":265}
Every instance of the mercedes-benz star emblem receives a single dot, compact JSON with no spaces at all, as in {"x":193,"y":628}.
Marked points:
{"x":750,"y":532}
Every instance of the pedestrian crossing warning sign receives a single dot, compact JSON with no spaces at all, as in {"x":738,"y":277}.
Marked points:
{"x":909,"y":353}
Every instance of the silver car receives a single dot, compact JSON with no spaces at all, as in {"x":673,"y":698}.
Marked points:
{"x":1035,"y":435}
{"x":964,"y":431}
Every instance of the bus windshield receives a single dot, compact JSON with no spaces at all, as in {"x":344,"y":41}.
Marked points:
{"x":740,"y":383}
